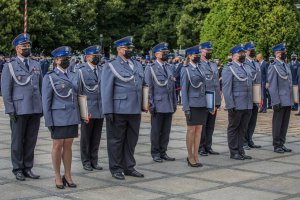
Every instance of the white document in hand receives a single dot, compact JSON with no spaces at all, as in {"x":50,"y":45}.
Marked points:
{"x":84,"y":111}
{"x":210,"y":100}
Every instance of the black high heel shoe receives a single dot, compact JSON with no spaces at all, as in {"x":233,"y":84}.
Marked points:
{"x":59,"y":186}
{"x":65,"y":182}
{"x":190,"y":164}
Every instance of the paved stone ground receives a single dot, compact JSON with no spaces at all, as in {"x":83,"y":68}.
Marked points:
{"x":268,"y":176}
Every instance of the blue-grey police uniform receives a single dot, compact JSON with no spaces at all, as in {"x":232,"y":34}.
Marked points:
{"x":21,"y":84}
{"x":90,"y":86}
{"x":121,"y":94}
{"x":162,"y":103}
{"x":211,"y":72}
{"x":281,"y":91}
{"x":237,"y":90}
{"x":256,"y":78}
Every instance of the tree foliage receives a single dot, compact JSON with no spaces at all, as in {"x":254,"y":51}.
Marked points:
{"x":265,"y":22}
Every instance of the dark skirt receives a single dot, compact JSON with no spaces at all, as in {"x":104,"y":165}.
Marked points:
{"x":198,"y":116}
{"x":64,"y":132}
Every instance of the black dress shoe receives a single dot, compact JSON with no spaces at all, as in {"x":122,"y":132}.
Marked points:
{"x":97,"y":167}
{"x":297,"y":114}
{"x":20,"y":176}
{"x":157,"y":159}
{"x":286,"y":149}
{"x":87,"y":167}
{"x":192,"y":165}
{"x":212,"y":152}
{"x":167,"y":158}
{"x":203,"y":153}
{"x":66,"y":183}
{"x":254,"y":146}
{"x":278,"y":150}
{"x":59,"y":186}
{"x":134,"y":173}
{"x":237,"y":157}
{"x":246,"y":157}
{"x":30,"y":174}
{"x":118,"y":175}
{"x":199,"y":165}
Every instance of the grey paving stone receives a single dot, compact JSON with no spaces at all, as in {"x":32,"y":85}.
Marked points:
{"x":268,"y":167}
{"x":221,"y":160}
{"x":14,"y":191}
{"x":263,"y":154}
{"x":281,"y":184}
{"x":118,"y":192}
{"x":226,"y":175}
{"x":5,"y":164}
{"x":235,"y":193}
{"x":294,"y":174}
{"x":50,"y":198}
{"x":177,"y":185}
{"x":295,"y":159}
{"x":173,"y":167}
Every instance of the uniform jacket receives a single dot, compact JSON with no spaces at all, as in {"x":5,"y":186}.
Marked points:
{"x":22,"y":99}
{"x":161,"y":97}
{"x":264,"y":72}
{"x":60,"y":100}
{"x":193,"y":89}
{"x":212,"y":82}
{"x":255,"y":70}
{"x":280,"y":84}
{"x":294,"y":66}
{"x":237,"y":86}
{"x":122,"y":96}
{"x":90,"y":85}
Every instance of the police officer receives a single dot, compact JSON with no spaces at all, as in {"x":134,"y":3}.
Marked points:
{"x":89,"y":85}
{"x":264,"y":81}
{"x":162,"y":101}
{"x":194,"y":103}
{"x":281,"y":91}
{"x":210,"y":70}
{"x":121,"y":103}
{"x":256,"y":78}
{"x":237,"y":90}
{"x":61,"y":112}
{"x":21,"y":89}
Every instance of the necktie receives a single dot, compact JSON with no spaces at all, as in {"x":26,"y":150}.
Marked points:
{"x":164,"y":67}
{"x":26,"y":64}
{"x":95,"y":72}
{"x":66,"y":74}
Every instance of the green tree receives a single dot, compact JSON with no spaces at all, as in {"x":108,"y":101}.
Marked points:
{"x":191,"y":21}
{"x":265,"y":22}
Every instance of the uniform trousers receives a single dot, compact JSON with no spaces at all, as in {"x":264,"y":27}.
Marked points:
{"x":237,"y":126}
{"x":251,"y":126}
{"x":23,"y":140}
{"x":90,"y":141}
{"x":280,"y":123}
{"x":160,"y":133}
{"x":122,"y":137}
{"x":207,"y":132}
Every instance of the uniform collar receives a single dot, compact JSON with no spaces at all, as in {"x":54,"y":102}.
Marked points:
{"x":239,"y":64}
{"x":249,"y":59}
{"x":91,"y":66}
{"x":193,"y":64}
{"x":21,"y":58}
{"x":61,"y":69}
{"x":160,"y":64}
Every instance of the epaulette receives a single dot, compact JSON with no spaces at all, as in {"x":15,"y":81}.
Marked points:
{"x":111,"y":60}
{"x":81,"y":66}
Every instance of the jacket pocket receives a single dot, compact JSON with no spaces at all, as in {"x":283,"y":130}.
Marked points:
{"x":18,"y":97}
{"x":120,"y":96}
{"x":58,"y":106}
{"x":157,"y":97}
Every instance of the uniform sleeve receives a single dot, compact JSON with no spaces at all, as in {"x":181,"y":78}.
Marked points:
{"x":149,"y":82}
{"x":273,"y":86}
{"x":227,"y":88}
{"x":107,"y":89}
{"x":6,"y":89}
{"x":184,"y":82}
{"x":47,"y":94}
